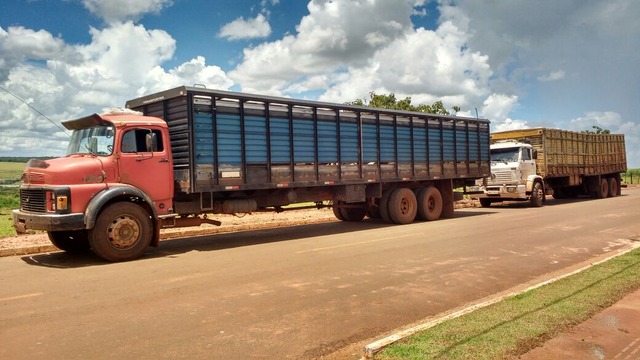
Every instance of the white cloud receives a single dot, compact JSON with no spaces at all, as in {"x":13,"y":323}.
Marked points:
{"x":122,"y":10}
{"x":122,"y":61}
{"x":497,"y":108}
{"x":553,"y":76}
{"x":240,"y":28}
{"x":334,"y":36}
{"x":18,"y":44}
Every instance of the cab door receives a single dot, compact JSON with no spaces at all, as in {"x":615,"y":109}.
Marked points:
{"x":527,"y":163}
{"x":145,"y":163}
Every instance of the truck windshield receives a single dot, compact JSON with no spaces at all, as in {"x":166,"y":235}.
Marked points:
{"x":95,"y":140}
{"x":505,"y":155}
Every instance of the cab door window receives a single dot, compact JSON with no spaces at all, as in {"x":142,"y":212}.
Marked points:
{"x":134,"y":141}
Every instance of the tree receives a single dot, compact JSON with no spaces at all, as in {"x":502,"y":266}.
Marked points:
{"x":598,"y":130}
{"x":389,"y":101}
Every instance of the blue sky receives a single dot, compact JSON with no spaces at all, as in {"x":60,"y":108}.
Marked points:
{"x":568,"y":64}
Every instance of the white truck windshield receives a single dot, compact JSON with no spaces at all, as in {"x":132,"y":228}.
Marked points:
{"x":505,"y":155}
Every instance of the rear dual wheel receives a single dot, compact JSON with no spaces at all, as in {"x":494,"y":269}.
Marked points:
{"x":349,"y":214}
{"x":613,"y":187}
{"x":603,"y":191}
{"x":429,"y":203}
{"x":402,"y":206}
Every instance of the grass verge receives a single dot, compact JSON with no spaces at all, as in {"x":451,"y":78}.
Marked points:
{"x":518,"y":324}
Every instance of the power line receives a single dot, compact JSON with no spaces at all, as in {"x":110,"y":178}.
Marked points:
{"x":36,"y":110}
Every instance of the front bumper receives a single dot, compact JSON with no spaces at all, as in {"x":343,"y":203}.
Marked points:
{"x":505,"y":191}
{"x":22,"y":221}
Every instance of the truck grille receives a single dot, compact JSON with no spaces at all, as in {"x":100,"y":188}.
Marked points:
{"x":33,"y":200}
{"x":502,"y":177}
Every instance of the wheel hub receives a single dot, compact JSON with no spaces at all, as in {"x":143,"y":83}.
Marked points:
{"x":124,"y":232}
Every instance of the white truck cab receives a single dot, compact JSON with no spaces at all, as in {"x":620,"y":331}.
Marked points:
{"x":514,"y":175}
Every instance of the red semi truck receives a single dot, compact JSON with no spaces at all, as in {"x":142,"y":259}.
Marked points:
{"x":188,"y":152}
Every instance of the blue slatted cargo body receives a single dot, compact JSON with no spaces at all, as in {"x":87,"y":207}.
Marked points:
{"x":230,"y":145}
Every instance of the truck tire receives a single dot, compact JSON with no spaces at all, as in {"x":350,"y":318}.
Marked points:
{"x":560,"y":193}
{"x":122,"y":232}
{"x":537,"y":194}
{"x":429,"y":203}
{"x":353,"y":214}
{"x":485,"y":203}
{"x":384,"y":206}
{"x":337,"y":212}
{"x":70,"y":241}
{"x":613,"y":187}
{"x":603,"y":192}
{"x":403,"y":206}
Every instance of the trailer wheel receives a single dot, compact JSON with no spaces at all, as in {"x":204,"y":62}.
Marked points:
{"x":337,"y":211}
{"x":603,"y":192}
{"x":560,"y":193}
{"x":537,"y":194}
{"x":403,"y":206}
{"x":485,"y":203}
{"x":384,"y":206}
{"x":613,"y":187}
{"x":353,"y":214}
{"x":429,"y":203}
{"x":70,"y":241}
{"x":122,"y":232}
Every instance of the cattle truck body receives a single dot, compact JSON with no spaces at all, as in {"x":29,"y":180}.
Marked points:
{"x":228,"y":152}
{"x":563,"y":163}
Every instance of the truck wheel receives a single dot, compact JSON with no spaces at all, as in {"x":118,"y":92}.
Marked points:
{"x":70,"y":241}
{"x":603,"y":192}
{"x":485,"y":203}
{"x":537,"y":194}
{"x":122,"y":232}
{"x":384,"y":206}
{"x":403,"y":206}
{"x":337,"y":211}
{"x":353,"y":214}
{"x":613,"y":187}
{"x":429,"y":203}
{"x":560,"y":193}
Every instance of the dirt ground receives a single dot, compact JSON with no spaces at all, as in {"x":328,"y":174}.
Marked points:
{"x":230,"y":223}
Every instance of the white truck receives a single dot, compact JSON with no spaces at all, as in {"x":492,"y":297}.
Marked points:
{"x":527,"y":165}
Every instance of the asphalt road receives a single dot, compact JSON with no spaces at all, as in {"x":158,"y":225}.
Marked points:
{"x":299,"y":292}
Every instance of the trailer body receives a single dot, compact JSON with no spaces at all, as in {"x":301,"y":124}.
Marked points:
{"x":563,"y":164}
{"x":191,"y":151}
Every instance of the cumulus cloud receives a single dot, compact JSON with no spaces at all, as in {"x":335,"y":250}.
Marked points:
{"x":121,"y":61}
{"x":553,"y":76}
{"x":18,"y":44}
{"x":497,"y":108}
{"x":332,"y":37}
{"x":241,"y":29}
{"x":122,"y":10}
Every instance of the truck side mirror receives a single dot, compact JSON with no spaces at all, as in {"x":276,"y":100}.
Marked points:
{"x":535,"y":154}
{"x":151,"y":141}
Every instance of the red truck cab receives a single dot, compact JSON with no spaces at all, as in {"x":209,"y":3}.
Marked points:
{"x":119,"y":160}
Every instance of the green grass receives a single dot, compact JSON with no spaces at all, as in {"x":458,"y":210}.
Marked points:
{"x":10,"y":173}
{"x":9,"y":200}
{"x":11,"y":170}
{"x":518,"y":324}
{"x":632,"y":176}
